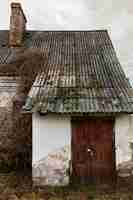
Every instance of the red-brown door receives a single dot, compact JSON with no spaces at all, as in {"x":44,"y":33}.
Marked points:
{"x":93,"y":158}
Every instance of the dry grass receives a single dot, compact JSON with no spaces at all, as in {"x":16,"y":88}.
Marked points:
{"x":19,"y":187}
{"x":26,"y":66}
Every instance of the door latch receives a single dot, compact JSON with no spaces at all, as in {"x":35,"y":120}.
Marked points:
{"x":91,"y":151}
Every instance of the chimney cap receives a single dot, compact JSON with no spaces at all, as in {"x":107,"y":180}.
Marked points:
{"x":18,"y":5}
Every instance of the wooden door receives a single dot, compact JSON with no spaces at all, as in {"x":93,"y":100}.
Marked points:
{"x":93,"y":158}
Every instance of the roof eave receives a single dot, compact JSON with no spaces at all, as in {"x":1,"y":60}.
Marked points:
{"x":79,"y":113}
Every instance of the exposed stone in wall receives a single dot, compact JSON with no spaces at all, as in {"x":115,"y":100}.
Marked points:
{"x":53,"y":169}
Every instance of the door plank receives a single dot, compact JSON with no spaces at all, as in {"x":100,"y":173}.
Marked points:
{"x":92,"y":150}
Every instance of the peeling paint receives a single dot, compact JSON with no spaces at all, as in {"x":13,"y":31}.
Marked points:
{"x":53,"y":169}
{"x":51,"y":149}
{"x":51,"y":163}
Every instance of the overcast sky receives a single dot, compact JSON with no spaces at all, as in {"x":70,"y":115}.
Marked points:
{"x":114,"y":15}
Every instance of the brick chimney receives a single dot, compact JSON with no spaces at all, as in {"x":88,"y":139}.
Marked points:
{"x":17,"y":25}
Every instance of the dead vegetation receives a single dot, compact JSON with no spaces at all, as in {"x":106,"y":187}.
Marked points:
{"x":19,"y":187}
{"x":19,"y":154}
{"x":26,"y":66}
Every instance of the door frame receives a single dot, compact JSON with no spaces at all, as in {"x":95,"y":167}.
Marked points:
{"x":74,"y":180}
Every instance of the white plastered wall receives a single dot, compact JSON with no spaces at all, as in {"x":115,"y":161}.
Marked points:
{"x":51,"y":149}
{"x":54,"y":131}
{"x":50,"y":132}
{"x":123,"y":138}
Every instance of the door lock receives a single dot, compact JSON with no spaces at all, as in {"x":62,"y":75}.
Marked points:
{"x":91,"y":151}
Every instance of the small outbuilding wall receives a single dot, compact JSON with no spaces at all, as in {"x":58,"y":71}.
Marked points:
{"x":52,"y":147}
{"x":124,"y":145}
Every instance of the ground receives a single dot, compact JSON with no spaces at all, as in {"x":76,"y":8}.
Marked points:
{"x":19,"y":187}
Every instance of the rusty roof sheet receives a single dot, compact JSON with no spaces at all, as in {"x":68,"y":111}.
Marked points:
{"x":82,"y":73}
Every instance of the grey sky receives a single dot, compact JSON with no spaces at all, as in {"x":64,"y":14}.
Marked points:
{"x":114,"y":15}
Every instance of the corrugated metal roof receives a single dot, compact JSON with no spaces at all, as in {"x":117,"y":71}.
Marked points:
{"x":82,"y":74}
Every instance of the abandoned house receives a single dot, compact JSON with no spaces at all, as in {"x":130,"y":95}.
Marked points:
{"x":78,"y":106}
